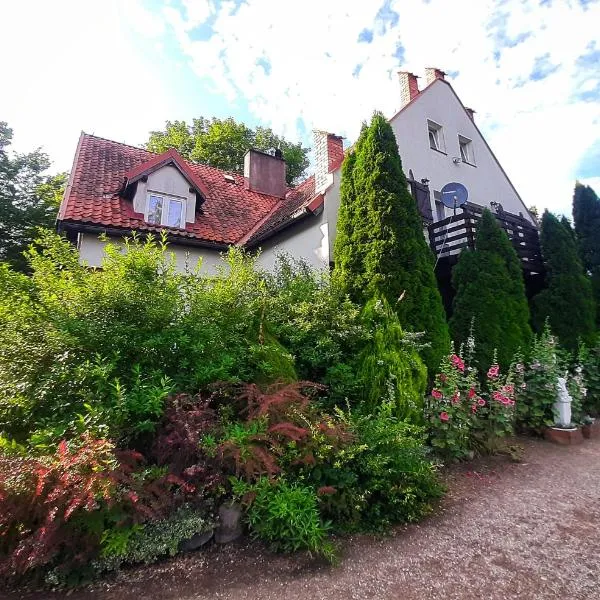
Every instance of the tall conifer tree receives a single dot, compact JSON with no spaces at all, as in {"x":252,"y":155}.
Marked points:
{"x":567,"y":301}
{"x":490,"y":289}
{"x":380,"y":248}
{"x":586,"y":217}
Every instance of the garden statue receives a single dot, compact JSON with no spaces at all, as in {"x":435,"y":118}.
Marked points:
{"x":562,"y":406}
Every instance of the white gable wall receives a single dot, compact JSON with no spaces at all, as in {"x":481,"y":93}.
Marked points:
{"x":485,"y":182}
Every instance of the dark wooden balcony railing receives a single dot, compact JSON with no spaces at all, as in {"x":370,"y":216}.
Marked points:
{"x":451,"y":235}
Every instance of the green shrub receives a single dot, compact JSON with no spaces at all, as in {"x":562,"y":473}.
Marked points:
{"x":286,"y":516}
{"x":535,"y":408}
{"x":320,"y":327}
{"x":389,"y":367}
{"x":490,"y":292}
{"x":153,"y":540}
{"x":567,"y":303}
{"x":590,"y":361}
{"x":101,"y":350}
{"x":381,"y":477}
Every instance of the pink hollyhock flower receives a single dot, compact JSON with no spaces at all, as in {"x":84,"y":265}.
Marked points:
{"x":471,"y":393}
{"x":456,"y":398}
{"x":437,"y":394}
{"x":481,"y":401}
{"x":509,"y":389}
{"x":444,"y":416}
{"x":511,"y":403}
{"x":457,"y":362}
{"x":493,"y":371}
{"x":474,"y":408}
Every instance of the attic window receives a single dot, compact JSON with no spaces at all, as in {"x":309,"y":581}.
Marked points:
{"x":229,"y":178}
{"x":466,"y":150}
{"x":165,"y":210}
{"x":436,"y":136}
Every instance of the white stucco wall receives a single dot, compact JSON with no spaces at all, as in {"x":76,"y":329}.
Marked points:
{"x":91,"y":252}
{"x":485,"y":181}
{"x":308,"y":239}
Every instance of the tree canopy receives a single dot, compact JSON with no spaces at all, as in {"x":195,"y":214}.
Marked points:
{"x":567,"y":302}
{"x":222,"y":143}
{"x":29,"y":199}
{"x":490,"y":290}
{"x":380,"y":249}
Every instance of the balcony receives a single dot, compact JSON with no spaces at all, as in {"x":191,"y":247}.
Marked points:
{"x":451,"y":235}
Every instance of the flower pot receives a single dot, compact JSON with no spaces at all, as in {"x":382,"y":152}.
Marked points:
{"x":591,"y":430}
{"x":564,"y":437}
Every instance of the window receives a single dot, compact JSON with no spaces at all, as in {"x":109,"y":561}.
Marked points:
{"x":436,"y":137}
{"x":466,"y":150}
{"x":165,"y":210}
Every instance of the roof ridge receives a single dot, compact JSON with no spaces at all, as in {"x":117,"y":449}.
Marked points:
{"x":192,"y":162}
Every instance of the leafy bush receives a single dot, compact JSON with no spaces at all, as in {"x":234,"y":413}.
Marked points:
{"x":381,"y":477}
{"x":318,"y":325}
{"x":57,"y":507}
{"x":536,"y":406}
{"x":147,"y":543}
{"x":101,"y":350}
{"x":286,"y":516}
{"x":590,"y":362}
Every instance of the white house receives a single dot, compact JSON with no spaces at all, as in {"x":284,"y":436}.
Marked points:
{"x":115,"y":189}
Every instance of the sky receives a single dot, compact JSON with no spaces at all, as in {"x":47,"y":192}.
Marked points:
{"x":121,"y":68}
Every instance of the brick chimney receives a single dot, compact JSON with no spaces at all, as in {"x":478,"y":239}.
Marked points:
{"x":409,"y":87}
{"x":432,"y":73}
{"x":265,"y":173}
{"x":471,"y":113}
{"x":329,"y":155}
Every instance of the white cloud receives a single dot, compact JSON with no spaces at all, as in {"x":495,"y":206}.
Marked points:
{"x":69,"y":66}
{"x":537,"y":129}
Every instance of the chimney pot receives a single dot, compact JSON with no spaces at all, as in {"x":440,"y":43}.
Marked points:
{"x":471,"y":113}
{"x":433,"y":73}
{"x":265,"y":174}
{"x":409,"y":88}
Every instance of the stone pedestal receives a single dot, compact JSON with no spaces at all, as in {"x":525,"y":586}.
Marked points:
{"x":230,"y":524}
{"x":564,"y":437}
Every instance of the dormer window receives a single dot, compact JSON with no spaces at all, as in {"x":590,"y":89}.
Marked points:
{"x":165,"y":210}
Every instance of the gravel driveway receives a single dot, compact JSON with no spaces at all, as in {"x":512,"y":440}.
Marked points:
{"x":528,"y":530}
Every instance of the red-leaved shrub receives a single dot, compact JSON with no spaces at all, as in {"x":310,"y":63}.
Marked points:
{"x":56,"y":507}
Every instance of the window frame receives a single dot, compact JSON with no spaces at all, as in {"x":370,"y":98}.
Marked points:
{"x":466,"y":144}
{"x":436,"y":131}
{"x":164,"y":214}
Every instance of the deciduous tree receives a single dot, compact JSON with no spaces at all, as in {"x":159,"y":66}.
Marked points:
{"x":222,"y":143}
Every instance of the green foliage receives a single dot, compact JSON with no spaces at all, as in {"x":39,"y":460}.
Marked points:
{"x":380,"y":248}
{"x":381,"y":477}
{"x":589,"y":359}
{"x":535,"y":409}
{"x":567,"y":302}
{"x":101,"y":350}
{"x":320,"y":327}
{"x":586,"y":217}
{"x":286,"y":516}
{"x":28,"y":199}
{"x":153,"y":540}
{"x":490,"y":289}
{"x":389,"y":366}
{"x":222,"y":143}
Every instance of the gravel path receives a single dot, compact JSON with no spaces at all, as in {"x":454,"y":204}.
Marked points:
{"x":528,"y":530}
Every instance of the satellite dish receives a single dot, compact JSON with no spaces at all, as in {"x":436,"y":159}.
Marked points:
{"x":454,"y":195}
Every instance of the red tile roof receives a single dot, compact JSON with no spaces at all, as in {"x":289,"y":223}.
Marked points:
{"x":231,"y":214}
